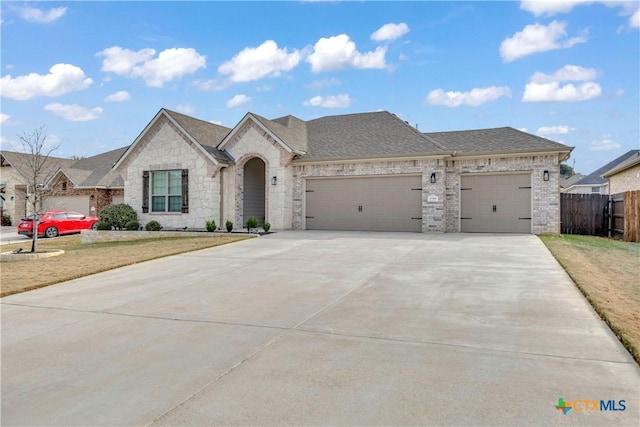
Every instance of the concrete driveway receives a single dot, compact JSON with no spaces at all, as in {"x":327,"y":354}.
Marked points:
{"x":318,"y":328}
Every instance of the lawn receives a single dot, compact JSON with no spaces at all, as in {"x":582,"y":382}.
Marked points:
{"x":82,"y":260}
{"x":607,"y":272}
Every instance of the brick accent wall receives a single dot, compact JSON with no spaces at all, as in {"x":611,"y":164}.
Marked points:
{"x":627,"y":180}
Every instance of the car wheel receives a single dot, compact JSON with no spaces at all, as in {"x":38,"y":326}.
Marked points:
{"x":94,"y":226}
{"x":51,"y":232}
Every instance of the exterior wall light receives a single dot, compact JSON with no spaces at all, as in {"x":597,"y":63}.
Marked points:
{"x":545,"y":175}
{"x":274,"y":180}
{"x":433,"y":177}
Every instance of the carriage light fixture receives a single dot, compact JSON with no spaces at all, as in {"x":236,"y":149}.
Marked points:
{"x":274,"y":180}
{"x":545,"y":175}
{"x":433,"y":177}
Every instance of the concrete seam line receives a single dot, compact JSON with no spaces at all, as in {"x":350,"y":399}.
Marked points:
{"x":365,"y":283}
{"x":444,"y":344}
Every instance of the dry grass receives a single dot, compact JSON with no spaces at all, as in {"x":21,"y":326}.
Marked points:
{"x":82,"y":260}
{"x":607,"y":272}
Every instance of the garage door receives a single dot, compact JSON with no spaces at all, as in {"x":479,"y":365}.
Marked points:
{"x":495,"y":203}
{"x":69,"y":203}
{"x":365,"y":203}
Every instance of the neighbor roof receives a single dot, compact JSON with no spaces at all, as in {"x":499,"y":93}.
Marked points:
{"x":20,"y":162}
{"x":595,"y":177}
{"x":366,"y":135}
{"x":95,"y":170}
{"x":494,"y":140}
{"x":630,"y":162}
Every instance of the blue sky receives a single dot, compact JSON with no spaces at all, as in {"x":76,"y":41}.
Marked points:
{"x":95,"y":73}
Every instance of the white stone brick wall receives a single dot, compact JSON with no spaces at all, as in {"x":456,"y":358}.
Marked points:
{"x":626,"y":180}
{"x":545,"y":203}
{"x":165,"y":148}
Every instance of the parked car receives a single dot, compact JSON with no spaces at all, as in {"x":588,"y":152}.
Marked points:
{"x":55,"y":223}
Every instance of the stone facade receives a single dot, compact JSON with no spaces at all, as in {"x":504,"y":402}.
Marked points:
{"x":92,"y":200}
{"x":164,"y":147}
{"x":627,"y":180}
{"x":14,"y":203}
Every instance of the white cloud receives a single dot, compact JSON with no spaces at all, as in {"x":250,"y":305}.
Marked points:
{"x":549,"y":87}
{"x":185,"y":108}
{"x":332,"y":101}
{"x":634,"y":21}
{"x":62,"y":79}
{"x":119,"y":96}
{"x":523,"y":130}
{"x":210,"y":85}
{"x":321,"y":84}
{"x":337,"y":52}
{"x":4,"y":118}
{"x":266,"y":60}
{"x":74,"y":113}
{"x":566,"y":73}
{"x":554,"y":130}
{"x":33,"y":14}
{"x":474,"y":97}
{"x":538,"y":38}
{"x":604,"y":145}
{"x":238,"y":100}
{"x":170,"y":64}
{"x":550,"y":7}
{"x":390,"y":32}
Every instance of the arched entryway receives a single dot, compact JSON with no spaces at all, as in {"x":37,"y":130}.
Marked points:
{"x":253,"y":204}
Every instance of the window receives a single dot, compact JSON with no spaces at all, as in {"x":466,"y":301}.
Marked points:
{"x":595,"y":189}
{"x":166,"y":191}
{"x":64,"y":186}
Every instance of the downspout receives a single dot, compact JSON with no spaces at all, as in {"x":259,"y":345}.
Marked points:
{"x":221,"y":198}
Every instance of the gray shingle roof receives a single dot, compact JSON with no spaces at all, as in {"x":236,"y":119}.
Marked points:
{"x":20,"y":162}
{"x":291,"y":130}
{"x":504,"y":139}
{"x":95,"y":170}
{"x":365,"y":135}
{"x":207,"y":134}
{"x":595,"y":177}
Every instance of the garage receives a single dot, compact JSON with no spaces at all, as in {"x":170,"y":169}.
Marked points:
{"x":496,"y":203}
{"x":389,"y":203}
{"x":69,"y":203}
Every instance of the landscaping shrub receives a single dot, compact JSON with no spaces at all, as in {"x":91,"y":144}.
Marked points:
{"x":117,"y":216}
{"x":132,"y":226}
{"x":153,"y":226}
{"x":211,"y":226}
{"x":101,"y":225}
{"x":266,"y":227}
{"x":6,"y":220}
{"x":229,"y":226}
{"x":251,"y":223}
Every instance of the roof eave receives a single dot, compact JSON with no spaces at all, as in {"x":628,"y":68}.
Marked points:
{"x":620,"y":168}
{"x":381,"y":157}
{"x":245,"y":119}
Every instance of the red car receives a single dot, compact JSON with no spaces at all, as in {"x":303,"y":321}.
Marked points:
{"x":55,"y":223}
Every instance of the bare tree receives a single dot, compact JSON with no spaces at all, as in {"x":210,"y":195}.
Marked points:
{"x":37,"y":171}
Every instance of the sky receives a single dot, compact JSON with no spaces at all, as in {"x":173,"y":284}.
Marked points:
{"x":96,"y":73}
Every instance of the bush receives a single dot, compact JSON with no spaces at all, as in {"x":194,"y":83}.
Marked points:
{"x":101,"y":225}
{"x":251,"y":223}
{"x":229,"y":226}
{"x":132,"y":226}
{"x":117,"y":216}
{"x":6,"y":220}
{"x":211,"y":226}
{"x":153,"y":226}
{"x":266,"y":227}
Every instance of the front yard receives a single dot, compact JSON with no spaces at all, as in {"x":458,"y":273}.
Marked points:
{"x":607,"y":272}
{"x":82,"y":260}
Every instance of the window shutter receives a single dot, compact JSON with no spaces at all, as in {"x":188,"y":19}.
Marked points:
{"x":185,"y":190}
{"x":145,"y":191}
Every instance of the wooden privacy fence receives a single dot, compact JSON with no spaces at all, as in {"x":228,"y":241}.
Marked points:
{"x":616,"y":216}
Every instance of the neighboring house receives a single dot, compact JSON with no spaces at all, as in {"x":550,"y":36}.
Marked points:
{"x":86,"y":185}
{"x":594,"y":183}
{"x":568,"y":182}
{"x":368,"y":171}
{"x":625,"y":176}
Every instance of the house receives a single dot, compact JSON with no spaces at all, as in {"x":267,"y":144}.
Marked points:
{"x":595,"y":183}
{"x":366,"y":171}
{"x":566,"y":182}
{"x":625,"y":176}
{"x":86,"y":185}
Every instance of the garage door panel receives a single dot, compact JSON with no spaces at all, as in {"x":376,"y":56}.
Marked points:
{"x":498,"y":203}
{"x":364,"y":203}
{"x":69,"y":203}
